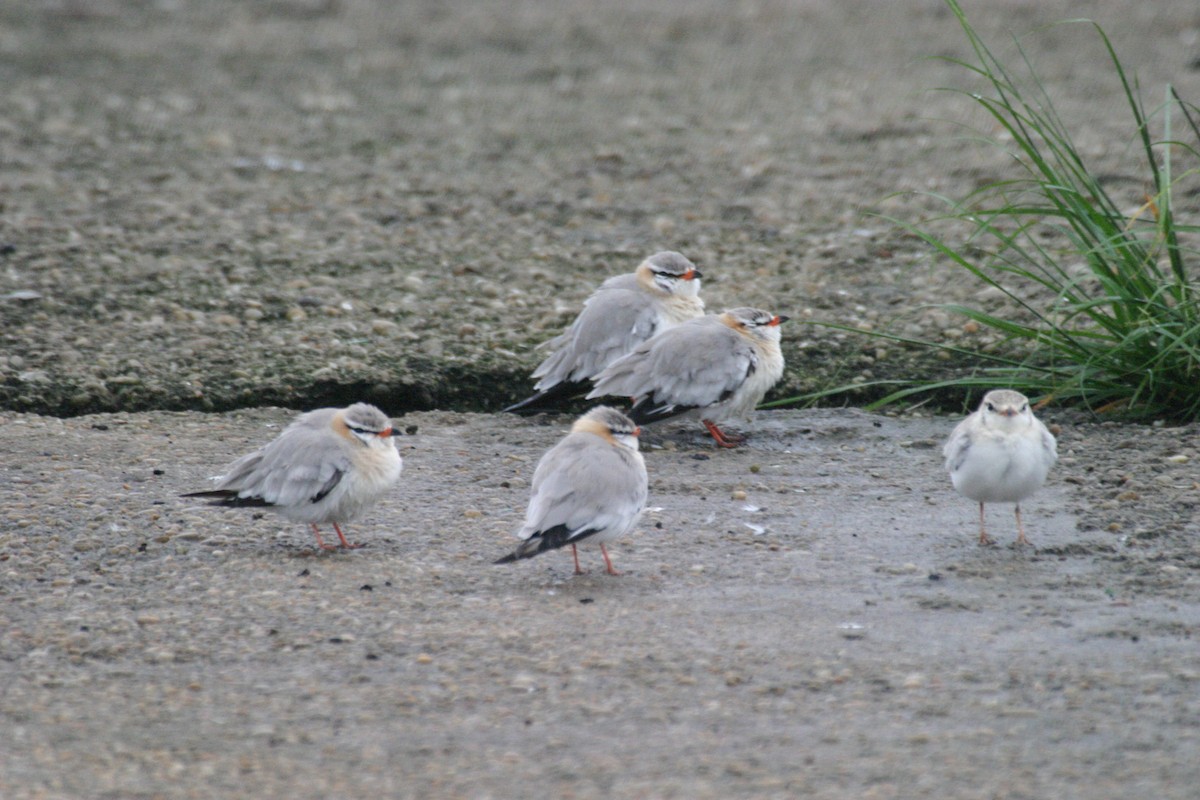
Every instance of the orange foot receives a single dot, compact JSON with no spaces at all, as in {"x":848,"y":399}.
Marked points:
{"x":723,"y":439}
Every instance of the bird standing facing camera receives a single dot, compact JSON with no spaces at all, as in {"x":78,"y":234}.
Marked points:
{"x":1000,"y":454}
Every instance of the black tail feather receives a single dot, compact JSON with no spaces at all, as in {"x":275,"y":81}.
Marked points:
{"x":229,"y":498}
{"x":552,"y":539}
{"x":556,"y":394}
{"x":646,"y":411}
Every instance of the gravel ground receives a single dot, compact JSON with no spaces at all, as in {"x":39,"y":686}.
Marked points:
{"x":217,"y":205}
{"x":226,"y":206}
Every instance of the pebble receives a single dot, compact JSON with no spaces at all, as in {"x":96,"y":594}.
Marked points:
{"x":383,"y":327}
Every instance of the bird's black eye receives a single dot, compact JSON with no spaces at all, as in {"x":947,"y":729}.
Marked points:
{"x":990,"y":407}
{"x":359,"y":430}
{"x":1024,"y":407}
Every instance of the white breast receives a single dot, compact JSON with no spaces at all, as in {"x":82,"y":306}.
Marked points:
{"x":1002,"y":469}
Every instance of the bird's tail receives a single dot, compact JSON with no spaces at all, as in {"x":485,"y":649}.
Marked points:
{"x":227,"y":497}
{"x":555,"y":395}
{"x":552,"y":539}
{"x":648,"y":410}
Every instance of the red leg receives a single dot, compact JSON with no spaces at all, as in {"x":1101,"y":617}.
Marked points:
{"x":575,"y":553}
{"x":345,"y":544}
{"x":1021,"y":528}
{"x":983,"y":537}
{"x":607,"y":561}
{"x":321,"y":542}
{"x":723,"y":439}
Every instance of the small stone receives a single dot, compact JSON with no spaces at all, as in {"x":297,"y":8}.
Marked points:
{"x":1178,"y":459}
{"x":383,"y":327}
{"x":424,"y":658}
{"x":738,"y":494}
{"x":472,"y":513}
{"x":160,"y":655}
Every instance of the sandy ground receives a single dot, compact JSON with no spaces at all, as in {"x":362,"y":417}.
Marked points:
{"x":809,"y":616}
{"x":221,"y":205}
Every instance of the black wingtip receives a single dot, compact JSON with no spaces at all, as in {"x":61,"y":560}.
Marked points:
{"x":225,"y":497}
{"x":555,"y":395}
{"x":508,"y":559}
{"x":646,"y":411}
{"x":527,"y":405}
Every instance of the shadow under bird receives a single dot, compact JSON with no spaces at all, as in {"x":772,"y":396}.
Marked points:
{"x":589,"y":488}
{"x":1001,"y":453}
{"x":713,"y":368}
{"x":624,"y":312}
{"x":326,"y":467}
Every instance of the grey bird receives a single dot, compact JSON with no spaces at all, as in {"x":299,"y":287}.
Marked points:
{"x":327,"y":466}
{"x":589,"y":488}
{"x":1000,"y":454}
{"x":624,"y":312}
{"x":714,"y":368}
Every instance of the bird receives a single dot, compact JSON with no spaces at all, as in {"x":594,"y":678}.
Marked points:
{"x":590,"y":487}
{"x":623,"y":312}
{"x":714,"y":367}
{"x":1001,"y":453}
{"x":327,"y":466}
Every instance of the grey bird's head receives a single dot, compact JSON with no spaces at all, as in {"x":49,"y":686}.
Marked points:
{"x":670,"y":273}
{"x":1005,"y":408}
{"x":754,"y":322}
{"x":367,"y":423}
{"x":611,"y":424}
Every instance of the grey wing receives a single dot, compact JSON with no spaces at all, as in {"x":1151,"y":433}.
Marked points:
{"x":688,"y":365}
{"x":956,"y":448}
{"x":585,"y":484}
{"x":611,"y":324}
{"x":302,"y":466}
{"x":1049,"y":445}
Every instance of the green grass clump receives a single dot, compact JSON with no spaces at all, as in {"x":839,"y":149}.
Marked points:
{"x":1124,"y":332}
